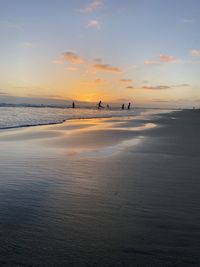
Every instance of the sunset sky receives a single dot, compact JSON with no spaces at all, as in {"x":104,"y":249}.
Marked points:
{"x":145,"y":51}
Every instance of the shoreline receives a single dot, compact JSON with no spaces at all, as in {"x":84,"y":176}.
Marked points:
{"x":90,"y":117}
{"x":101,"y":135}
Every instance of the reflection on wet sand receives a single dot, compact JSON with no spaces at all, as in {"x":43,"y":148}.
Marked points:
{"x":86,"y":137}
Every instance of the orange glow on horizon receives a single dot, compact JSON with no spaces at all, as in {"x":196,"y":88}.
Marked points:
{"x":90,"y":91}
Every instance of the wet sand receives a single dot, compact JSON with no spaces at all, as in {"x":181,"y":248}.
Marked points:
{"x":102,"y":192}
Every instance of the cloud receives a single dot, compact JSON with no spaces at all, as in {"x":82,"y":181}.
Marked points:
{"x":93,"y":5}
{"x":105,"y":68}
{"x":69,"y":57}
{"x":50,"y":96}
{"x":162,"y":59}
{"x":195,"y":53}
{"x":167,"y":59}
{"x":33,"y":88}
{"x":160,"y":100}
{"x":72,"y":58}
{"x":126,"y":81}
{"x":98,"y":60}
{"x":181,"y":85}
{"x":158,"y":87}
{"x":130,"y":87}
{"x":94,"y":24}
{"x":165,"y":87}
{"x":3,"y":93}
{"x":151,"y":62}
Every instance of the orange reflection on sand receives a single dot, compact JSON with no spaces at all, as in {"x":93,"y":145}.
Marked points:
{"x":100,"y":137}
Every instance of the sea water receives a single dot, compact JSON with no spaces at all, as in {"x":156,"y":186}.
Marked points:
{"x":14,"y":117}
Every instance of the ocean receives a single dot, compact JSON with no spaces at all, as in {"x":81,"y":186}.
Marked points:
{"x":15,"y":117}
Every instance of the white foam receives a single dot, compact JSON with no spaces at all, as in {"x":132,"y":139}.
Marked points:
{"x":15,"y":117}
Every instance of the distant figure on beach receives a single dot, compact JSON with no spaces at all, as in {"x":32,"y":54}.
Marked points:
{"x":108,"y":107}
{"x":99,"y":105}
{"x":73,"y":105}
{"x":122,"y":106}
{"x":129,"y":106}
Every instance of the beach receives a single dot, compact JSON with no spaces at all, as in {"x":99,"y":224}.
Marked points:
{"x":117,"y":191}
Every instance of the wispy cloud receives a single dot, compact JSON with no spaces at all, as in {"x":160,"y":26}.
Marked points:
{"x":52,"y":96}
{"x":69,"y":57}
{"x":130,"y":87}
{"x":181,"y":85}
{"x":151,"y":62}
{"x":195,"y":53}
{"x":167,"y":59}
{"x":106,"y":68}
{"x":126,"y":81}
{"x":3,"y":93}
{"x":34,"y":88}
{"x":160,"y":100}
{"x":94,"y":24}
{"x":72,"y":58}
{"x":165,"y":87}
{"x":163,"y":58}
{"x":98,"y":60}
{"x":157,"y":87}
{"x":93,"y":6}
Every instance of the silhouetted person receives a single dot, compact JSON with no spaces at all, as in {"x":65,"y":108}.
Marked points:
{"x":73,"y":105}
{"x":108,"y":107}
{"x":122,"y":106}
{"x":99,"y":105}
{"x":129,"y":106}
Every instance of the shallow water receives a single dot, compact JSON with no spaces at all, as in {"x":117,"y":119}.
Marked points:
{"x":14,"y":117}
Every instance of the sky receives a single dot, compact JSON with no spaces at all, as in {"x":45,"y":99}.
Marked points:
{"x":143,"y":51}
